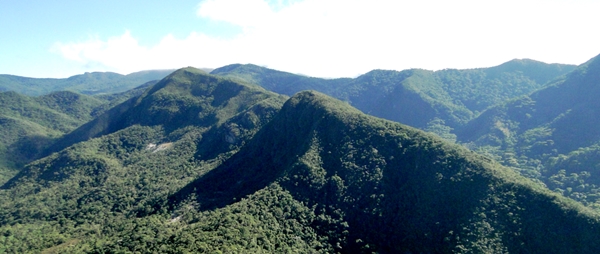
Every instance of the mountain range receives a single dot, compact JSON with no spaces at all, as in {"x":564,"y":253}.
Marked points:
{"x":244,"y":160}
{"x":415,"y":97}
{"x":90,"y":83}
{"x":549,"y":133}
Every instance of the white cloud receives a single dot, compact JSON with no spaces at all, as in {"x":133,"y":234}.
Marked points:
{"x":124,"y":54}
{"x":333,"y":38}
{"x":245,"y":13}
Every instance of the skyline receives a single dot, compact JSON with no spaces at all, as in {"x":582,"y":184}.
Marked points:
{"x":326,"y":39}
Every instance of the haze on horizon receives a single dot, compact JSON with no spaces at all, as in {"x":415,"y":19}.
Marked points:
{"x":330,"y":38}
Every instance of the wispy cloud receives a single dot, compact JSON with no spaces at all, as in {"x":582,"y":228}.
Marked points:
{"x":124,"y":53}
{"x":331,"y":38}
{"x":245,"y":13}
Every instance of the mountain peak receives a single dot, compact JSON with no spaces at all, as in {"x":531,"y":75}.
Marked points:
{"x":314,"y":98}
{"x":238,"y":67}
{"x":186,"y":72}
{"x":309,"y":106}
{"x":539,"y":72}
{"x":408,"y":186}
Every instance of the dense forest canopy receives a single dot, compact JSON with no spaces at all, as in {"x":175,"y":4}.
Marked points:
{"x":244,"y":160}
{"x":415,"y":97}
{"x":540,"y":132}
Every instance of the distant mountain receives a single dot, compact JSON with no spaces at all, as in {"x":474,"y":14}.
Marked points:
{"x":279,"y":81}
{"x":566,"y":109}
{"x":200,"y":163}
{"x":538,"y":131}
{"x":419,"y":98}
{"x":89,"y":83}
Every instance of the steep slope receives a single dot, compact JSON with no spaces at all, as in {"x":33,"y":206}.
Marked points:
{"x":29,"y":124}
{"x":376,"y":185}
{"x":21,"y":142}
{"x":566,"y":109}
{"x":478,"y":89}
{"x":88,"y":83}
{"x":537,"y":130}
{"x":61,"y":111}
{"x":412,"y":97}
{"x":186,"y":97}
{"x":315,"y":176}
{"x":81,"y":196}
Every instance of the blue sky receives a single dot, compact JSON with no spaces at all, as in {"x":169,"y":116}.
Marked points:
{"x":322,"y":38}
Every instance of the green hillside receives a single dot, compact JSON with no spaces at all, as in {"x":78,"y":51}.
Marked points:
{"x":88,"y":83}
{"x":200,"y":163}
{"x":186,"y":97}
{"x":424,"y":99}
{"x":541,"y":131}
{"x":380,"y":186}
{"x":92,"y":189}
{"x":279,"y":81}
{"x":30,"y":124}
{"x":481,"y":88}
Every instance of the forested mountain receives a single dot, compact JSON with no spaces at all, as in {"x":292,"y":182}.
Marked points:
{"x":89,"y":83}
{"x":279,"y":81}
{"x":549,"y":133}
{"x":201,"y":163}
{"x":138,"y":158}
{"x":420,"y":98}
{"x":185,"y":97}
{"x":29,"y":124}
{"x":375,"y":185}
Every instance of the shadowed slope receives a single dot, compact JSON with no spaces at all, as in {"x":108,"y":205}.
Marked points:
{"x":567,"y":108}
{"x":418,"y":98}
{"x":390,"y":188}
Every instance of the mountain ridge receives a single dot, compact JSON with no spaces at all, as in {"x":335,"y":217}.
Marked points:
{"x":198,"y":162}
{"x":540,"y":132}
{"x":89,"y":83}
{"x":307,"y":150}
{"x":188,"y":96}
{"x":451,"y":95}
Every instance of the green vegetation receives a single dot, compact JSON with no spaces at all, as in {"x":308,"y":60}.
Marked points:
{"x":83,"y":197}
{"x":415,"y":97}
{"x":382,"y":186}
{"x":88,"y":83}
{"x":217,"y":164}
{"x":278,"y":81}
{"x":240,"y":175}
{"x":548,"y":135}
{"x":29,"y":124}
